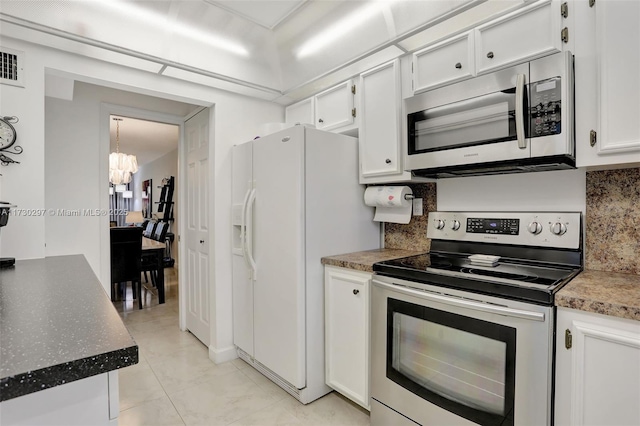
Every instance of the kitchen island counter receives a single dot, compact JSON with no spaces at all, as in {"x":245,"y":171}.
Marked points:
{"x":607,"y":293}
{"x":57,"y":325}
{"x":364,"y":260}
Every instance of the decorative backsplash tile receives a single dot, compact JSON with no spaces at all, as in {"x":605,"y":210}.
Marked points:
{"x":413,"y":236}
{"x":612,"y":240}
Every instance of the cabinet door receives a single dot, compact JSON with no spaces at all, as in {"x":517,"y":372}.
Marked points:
{"x":608,"y":84}
{"x":334,"y":107}
{"x":300,"y":112}
{"x":443,"y":63}
{"x":531,"y":32}
{"x":379,"y":134}
{"x":597,"y":379}
{"x":347,"y":332}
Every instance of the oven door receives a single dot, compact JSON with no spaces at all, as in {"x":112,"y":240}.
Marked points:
{"x":458,"y":358}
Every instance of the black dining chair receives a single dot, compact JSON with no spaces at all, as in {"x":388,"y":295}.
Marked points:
{"x":149,"y":228}
{"x":160,"y":232}
{"x":149,"y":262}
{"x":126,"y":255}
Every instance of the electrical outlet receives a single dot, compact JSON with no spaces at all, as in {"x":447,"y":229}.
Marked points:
{"x":417,"y":207}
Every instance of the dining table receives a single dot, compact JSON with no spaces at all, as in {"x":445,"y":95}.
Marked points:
{"x":156,"y":247}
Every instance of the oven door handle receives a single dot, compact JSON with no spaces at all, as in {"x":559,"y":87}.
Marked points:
{"x":462,"y":303}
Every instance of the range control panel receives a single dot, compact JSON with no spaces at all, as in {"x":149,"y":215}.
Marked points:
{"x":493,"y":226}
{"x":543,"y":229}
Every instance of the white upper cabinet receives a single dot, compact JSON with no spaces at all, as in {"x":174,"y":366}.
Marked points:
{"x":300,"y":112}
{"x":530,"y":32}
{"x":334,"y":107}
{"x":379,"y":135}
{"x":608,"y":83}
{"x":330,"y":110}
{"x":527,"y":33}
{"x":443,"y":63}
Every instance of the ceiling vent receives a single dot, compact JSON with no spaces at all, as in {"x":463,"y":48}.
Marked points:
{"x":11,"y":67}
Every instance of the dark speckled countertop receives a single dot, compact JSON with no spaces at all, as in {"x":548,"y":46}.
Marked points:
{"x":57,"y":325}
{"x":608,"y":293}
{"x":364,"y":260}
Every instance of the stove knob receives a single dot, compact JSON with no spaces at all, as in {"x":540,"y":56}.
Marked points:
{"x":439,"y":223}
{"x":535,"y":228}
{"x":558,"y":228}
{"x":455,"y":225}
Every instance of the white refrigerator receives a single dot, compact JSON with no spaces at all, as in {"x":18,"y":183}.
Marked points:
{"x":296,"y":198}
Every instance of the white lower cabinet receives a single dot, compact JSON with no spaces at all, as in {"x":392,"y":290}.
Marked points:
{"x":347,"y":332}
{"x":598,"y":377}
{"x":90,"y":401}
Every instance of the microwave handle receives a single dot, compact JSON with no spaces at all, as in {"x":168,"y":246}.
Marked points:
{"x":522,"y":142}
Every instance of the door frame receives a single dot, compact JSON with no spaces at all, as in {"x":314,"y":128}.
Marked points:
{"x":106,"y":110}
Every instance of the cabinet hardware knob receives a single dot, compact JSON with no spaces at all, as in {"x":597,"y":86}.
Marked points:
{"x":356,"y":291}
{"x":458,"y":65}
{"x":388,"y":161}
{"x":320,"y":120}
{"x":490,"y":55}
{"x":201,"y":241}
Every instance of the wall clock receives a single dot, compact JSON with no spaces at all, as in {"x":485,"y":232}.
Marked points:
{"x":8,"y":137}
{"x":8,"y":134}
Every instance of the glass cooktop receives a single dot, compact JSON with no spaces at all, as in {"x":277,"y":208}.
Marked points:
{"x":510,"y":278}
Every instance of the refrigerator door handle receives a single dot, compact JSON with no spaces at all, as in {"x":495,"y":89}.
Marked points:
{"x":249,"y":234}
{"x":243,"y":228}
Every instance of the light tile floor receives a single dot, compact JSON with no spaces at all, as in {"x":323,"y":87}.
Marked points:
{"x":175,"y":383}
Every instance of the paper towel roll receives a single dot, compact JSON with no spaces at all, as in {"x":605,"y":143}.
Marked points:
{"x":390,"y":203}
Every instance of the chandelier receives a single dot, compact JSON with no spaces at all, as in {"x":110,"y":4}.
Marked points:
{"x":121,"y":166}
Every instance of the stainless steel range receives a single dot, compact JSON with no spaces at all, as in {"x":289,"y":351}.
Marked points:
{"x":465,"y":333}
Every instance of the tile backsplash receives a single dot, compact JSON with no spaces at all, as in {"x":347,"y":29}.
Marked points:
{"x":413,"y":236}
{"x":612,"y":236}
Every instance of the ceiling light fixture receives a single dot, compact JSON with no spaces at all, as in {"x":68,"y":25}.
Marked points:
{"x":342,"y":27}
{"x":161,"y":21}
{"x":121,"y":166}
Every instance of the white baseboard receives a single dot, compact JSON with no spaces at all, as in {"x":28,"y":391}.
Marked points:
{"x":219,"y":356}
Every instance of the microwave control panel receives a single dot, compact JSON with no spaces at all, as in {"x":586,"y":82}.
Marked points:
{"x":546,"y":107}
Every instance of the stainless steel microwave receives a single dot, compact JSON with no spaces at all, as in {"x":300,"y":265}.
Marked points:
{"x":520,"y":119}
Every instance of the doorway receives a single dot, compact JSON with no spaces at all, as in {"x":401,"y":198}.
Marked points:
{"x":148,"y":199}
{"x":77,"y":128}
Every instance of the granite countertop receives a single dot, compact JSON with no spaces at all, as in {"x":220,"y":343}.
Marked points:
{"x":364,"y":260}
{"x":607,"y":293}
{"x":57,"y":325}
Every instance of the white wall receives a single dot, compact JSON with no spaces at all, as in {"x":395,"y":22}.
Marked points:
{"x":560,"y":191}
{"x":165,"y":166}
{"x":237,"y":119}
{"x":71,"y":156}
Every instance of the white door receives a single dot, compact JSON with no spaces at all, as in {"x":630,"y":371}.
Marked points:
{"x":241,"y":187}
{"x":279,"y":286}
{"x":197,"y":226}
